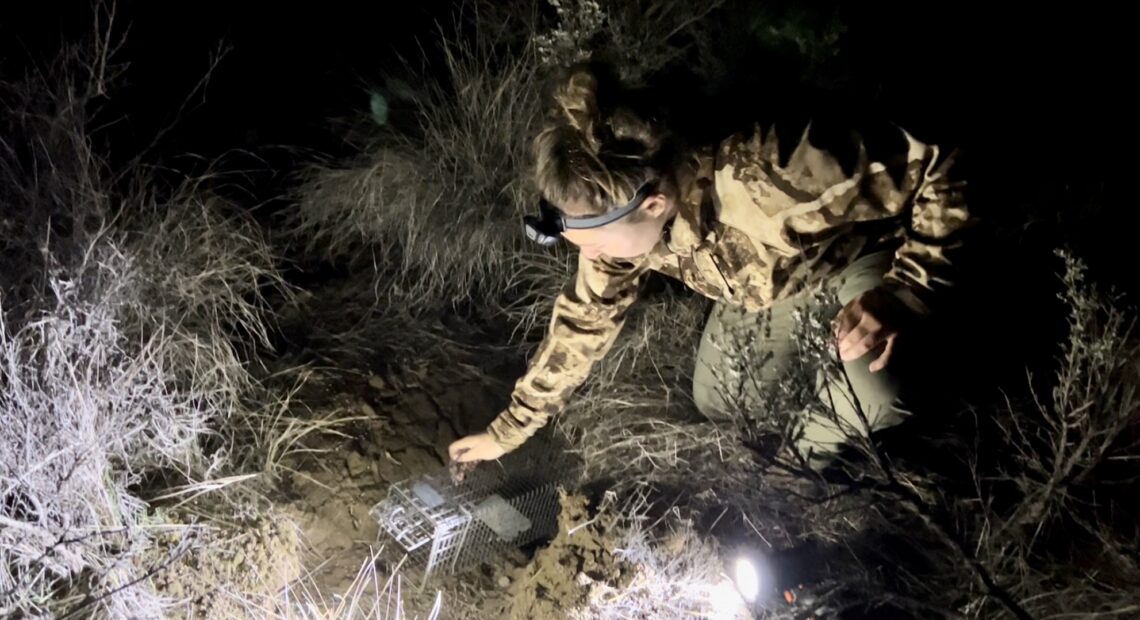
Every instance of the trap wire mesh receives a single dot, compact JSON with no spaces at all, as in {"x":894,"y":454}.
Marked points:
{"x":446,"y":527}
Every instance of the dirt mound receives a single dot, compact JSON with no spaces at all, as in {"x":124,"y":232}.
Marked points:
{"x":232,"y":572}
{"x":575,"y":567}
{"x":616,"y":560}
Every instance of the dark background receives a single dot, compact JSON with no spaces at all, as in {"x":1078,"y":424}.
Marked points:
{"x":1041,"y":96}
{"x":286,"y":70}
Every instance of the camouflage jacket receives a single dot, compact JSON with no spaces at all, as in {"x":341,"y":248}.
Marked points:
{"x":755,"y":225}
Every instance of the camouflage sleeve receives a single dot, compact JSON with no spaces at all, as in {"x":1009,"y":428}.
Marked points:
{"x":588,"y":315}
{"x":925,"y":265}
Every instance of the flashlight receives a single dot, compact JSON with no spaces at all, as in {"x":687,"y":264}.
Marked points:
{"x":545,"y":231}
{"x":744,"y":585}
{"x":746,"y":575}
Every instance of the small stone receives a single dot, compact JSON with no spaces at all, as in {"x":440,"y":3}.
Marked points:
{"x":504,"y":581}
{"x":356,"y":465}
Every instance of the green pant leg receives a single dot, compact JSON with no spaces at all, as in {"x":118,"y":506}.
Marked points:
{"x":876,"y":394}
{"x":739,"y":353}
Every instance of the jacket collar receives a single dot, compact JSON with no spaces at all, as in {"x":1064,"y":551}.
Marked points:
{"x":692,"y":224}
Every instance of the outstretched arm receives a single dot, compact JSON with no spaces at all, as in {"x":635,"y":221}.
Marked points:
{"x":588,"y":316}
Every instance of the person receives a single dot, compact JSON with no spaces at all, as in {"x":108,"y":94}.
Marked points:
{"x":755,"y":222}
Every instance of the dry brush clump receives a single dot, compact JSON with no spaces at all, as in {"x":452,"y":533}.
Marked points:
{"x":676,"y":570}
{"x":641,"y":37}
{"x":1015,"y":513}
{"x":1050,"y":514}
{"x":134,"y":419}
{"x":434,"y":208}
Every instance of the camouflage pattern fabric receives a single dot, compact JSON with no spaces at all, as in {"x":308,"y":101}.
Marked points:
{"x":756,"y":224}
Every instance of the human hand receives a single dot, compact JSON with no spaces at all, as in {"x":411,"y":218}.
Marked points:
{"x":472,"y":448}
{"x":870,"y":322}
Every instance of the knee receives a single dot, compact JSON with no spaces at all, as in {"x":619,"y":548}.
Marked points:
{"x":715,"y":400}
{"x":877,"y":395}
{"x":705,"y":392}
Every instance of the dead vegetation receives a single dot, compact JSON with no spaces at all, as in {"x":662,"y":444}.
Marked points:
{"x":137,"y":430}
{"x":143,"y":433}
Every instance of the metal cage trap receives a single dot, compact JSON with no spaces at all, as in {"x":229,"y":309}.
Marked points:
{"x":446,"y":527}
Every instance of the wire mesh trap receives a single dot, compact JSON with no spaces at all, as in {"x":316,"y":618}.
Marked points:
{"x":446,"y":528}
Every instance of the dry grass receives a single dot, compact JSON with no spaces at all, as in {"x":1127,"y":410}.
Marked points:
{"x":635,"y":413}
{"x":677,"y":571}
{"x":124,"y":370}
{"x":370,"y":595}
{"x":435,"y":210}
{"x":127,"y":320}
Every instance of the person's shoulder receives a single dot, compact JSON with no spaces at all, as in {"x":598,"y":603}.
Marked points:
{"x":841,"y":136}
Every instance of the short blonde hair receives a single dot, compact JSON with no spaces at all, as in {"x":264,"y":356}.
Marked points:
{"x":598,"y":157}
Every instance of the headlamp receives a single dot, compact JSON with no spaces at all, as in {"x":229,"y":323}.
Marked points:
{"x":547,"y":227}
